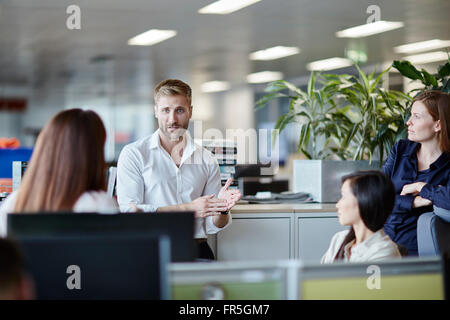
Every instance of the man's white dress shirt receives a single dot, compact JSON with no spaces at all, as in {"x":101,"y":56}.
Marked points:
{"x":148,"y":177}
{"x":377,"y":247}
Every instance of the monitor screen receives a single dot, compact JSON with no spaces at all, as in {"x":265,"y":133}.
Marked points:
{"x":405,"y":279}
{"x":132,"y":266}
{"x":239,"y":280}
{"x":179,"y":226}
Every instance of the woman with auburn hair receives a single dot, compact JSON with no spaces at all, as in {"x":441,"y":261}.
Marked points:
{"x":67,"y":169}
{"x":367,"y":199}
{"x":419,"y":167}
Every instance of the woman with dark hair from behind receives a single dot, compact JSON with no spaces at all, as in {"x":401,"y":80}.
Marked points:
{"x":66,"y":170}
{"x":419,"y":167}
{"x":367,"y":199}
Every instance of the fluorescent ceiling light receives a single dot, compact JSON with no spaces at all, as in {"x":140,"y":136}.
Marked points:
{"x":427,"y":57}
{"x":264,"y":76}
{"x":274,"y":53}
{"x":422,"y":46}
{"x":226,"y":6}
{"x":151,"y":37}
{"x":369,"y":29}
{"x":328,"y":64}
{"x":215,"y":86}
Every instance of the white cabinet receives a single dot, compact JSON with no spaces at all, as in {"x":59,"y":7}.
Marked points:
{"x":257,"y":237}
{"x":261,"y":232}
{"x":313,"y":235}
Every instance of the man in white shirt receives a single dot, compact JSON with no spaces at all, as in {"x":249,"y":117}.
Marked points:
{"x":167,"y":171}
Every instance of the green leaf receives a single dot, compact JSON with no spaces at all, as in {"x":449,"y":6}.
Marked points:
{"x":377,"y":80}
{"x":364,"y":78}
{"x":350,"y":135}
{"x":446,"y":87}
{"x":306,"y":153}
{"x":444,"y":70}
{"x":267,"y":98}
{"x":275,"y":86}
{"x":407,"y":69}
{"x":304,"y":137}
{"x":430,"y":80}
{"x":311,"y":84}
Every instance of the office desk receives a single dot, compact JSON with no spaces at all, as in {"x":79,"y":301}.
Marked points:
{"x":277,"y":231}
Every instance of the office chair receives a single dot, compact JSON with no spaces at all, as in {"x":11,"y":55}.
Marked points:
{"x":111,"y":181}
{"x":433,"y":232}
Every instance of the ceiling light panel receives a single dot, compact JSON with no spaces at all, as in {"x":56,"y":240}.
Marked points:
{"x":422,"y":46}
{"x":215,"y":86}
{"x":264,"y":76}
{"x":226,"y":6}
{"x":274,"y":53}
{"x":151,"y":37}
{"x":427,"y":57}
{"x":369,"y":29}
{"x":328,"y":64}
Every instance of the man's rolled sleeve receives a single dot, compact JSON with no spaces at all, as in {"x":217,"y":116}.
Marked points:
{"x":211,"y":228}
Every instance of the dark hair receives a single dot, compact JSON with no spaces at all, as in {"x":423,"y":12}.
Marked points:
{"x":375,"y":194}
{"x":12,"y":267}
{"x":438,"y":105}
{"x":67,"y":161}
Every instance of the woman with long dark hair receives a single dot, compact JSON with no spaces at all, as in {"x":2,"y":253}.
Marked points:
{"x":367,"y":199}
{"x":67,"y":169}
{"x":419,"y":167}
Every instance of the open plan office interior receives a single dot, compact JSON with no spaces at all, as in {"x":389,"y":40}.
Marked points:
{"x":288,"y":98}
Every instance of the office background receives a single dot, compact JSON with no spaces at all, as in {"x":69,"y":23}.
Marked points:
{"x":49,"y":67}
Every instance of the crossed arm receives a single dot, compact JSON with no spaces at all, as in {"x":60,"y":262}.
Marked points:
{"x":427,"y":194}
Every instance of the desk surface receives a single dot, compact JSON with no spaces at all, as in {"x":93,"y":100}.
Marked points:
{"x":284,"y":208}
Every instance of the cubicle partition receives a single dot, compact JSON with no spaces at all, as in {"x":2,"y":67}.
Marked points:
{"x":401,"y":279}
{"x":229,"y":281}
{"x":404,"y":279}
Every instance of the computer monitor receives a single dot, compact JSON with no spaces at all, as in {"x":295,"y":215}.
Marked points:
{"x":404,"y":279}
{"x":236,"y":280}
{"x":92,"y":267}
{"x":179,"y":226}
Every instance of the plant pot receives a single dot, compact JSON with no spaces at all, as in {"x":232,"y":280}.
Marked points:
{"x":322,"y":178}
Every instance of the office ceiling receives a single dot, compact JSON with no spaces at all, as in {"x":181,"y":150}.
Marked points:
{"x":38,"y":51}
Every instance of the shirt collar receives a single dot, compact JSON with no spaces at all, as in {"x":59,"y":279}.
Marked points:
{"x":443,"y":159}
{"x":410,"y":152}
{"x":366,"y":244}
{"x":154,"y":141}
{"x":411,"y":149}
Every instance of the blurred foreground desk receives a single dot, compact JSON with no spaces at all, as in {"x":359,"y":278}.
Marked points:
{"x":277,"y":231}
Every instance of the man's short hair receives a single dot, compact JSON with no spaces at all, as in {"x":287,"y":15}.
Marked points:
{"x":173,"y":87}
{"x":12,"y":268}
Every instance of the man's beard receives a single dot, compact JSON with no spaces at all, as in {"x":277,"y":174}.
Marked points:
{"x":177,"y":134}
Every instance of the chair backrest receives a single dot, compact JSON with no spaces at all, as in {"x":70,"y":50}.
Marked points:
{"x":433,"y":233}
{"x":111,"y":182}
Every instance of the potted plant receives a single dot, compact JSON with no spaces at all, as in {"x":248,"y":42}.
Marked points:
{"x":439,"y":81}
{"x":346,"y":117}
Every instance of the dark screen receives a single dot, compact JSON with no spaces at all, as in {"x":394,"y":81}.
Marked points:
{"x":179,"y":226}
{"x":98,"y":267}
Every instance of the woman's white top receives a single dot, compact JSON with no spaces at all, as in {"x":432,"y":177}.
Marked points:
{"x":377,"y":247}
{"x":90,"y":201}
